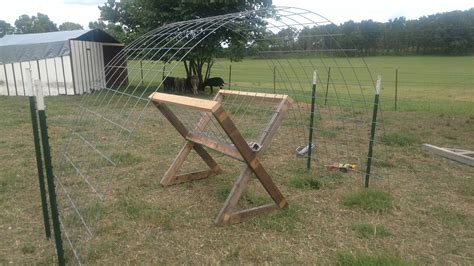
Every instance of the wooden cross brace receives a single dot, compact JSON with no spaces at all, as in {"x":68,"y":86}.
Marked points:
{"x":239,"y":151}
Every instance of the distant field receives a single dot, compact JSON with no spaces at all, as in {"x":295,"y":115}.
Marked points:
{"x":439,"y":84}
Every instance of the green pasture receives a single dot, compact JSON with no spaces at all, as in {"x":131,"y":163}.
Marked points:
{"x":438,"y":84}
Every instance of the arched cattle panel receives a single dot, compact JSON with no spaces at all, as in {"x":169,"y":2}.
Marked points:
{"x":294,"y":42}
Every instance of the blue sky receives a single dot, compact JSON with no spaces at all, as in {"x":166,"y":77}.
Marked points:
{"x":83,"y":11}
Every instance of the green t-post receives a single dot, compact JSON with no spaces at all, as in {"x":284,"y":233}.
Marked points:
{"x":49,"y":175}
{"x":39,"y":163}
{"x":311,"y":121}
{"x":372,"y":131}
{"x":39,"y":160}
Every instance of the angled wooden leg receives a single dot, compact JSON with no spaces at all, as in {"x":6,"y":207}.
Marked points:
{"x":249,"y":156}
{"x":170,"y":176}
{"x":226,"y":216}
{"x":235,"y":193}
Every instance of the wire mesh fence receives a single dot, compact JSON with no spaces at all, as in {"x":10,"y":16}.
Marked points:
{"x":118,"y":137}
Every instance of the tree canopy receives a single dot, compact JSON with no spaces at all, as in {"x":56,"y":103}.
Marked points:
{"x":445,"y":33}
{"x":34,"y":24}
{"x":136,"y":17}
{"x":70,"y":26}
{"x":5,"y":28}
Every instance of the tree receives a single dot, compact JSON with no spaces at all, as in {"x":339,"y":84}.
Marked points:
{"x":114,"y":30}
{"x":35,"y":24}
{"x":70,"y":26}
{"x":5,"y":28}
{"x":24,"y":24}
{"x":136,"y":17}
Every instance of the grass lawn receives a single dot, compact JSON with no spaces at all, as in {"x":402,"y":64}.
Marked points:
{"x":420,"y":212}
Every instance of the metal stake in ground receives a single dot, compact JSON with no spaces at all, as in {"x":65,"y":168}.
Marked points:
{"x":396,"y":88}
{"x":327,"y":87}
{"x":311,"y":121}
{"x":39,"y":160}
{"x":372,"y":130}
{"x":49,"y":174}
{"x":230,"y":73}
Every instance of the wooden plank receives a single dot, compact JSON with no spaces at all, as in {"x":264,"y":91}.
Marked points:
{"x":275,"y":122}
{"x":215,"y":145}
{"x":194,"y":176}
{"x":244,"y":215}
{"x":170,"y":174}
{"x":249,"y":156}
{"x":184,"y":132}
{"x":242,"y":181}
{"x":200,"y":104}
{"x":449,"y":154}
{"x":234,"y":195}
{"x":206,"y":117}
{"x":257,"y":95}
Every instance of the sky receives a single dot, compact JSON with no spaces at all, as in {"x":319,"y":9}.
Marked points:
{"x":338,"y":11}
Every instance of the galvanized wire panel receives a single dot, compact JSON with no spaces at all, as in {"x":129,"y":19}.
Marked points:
{"x":98,"y":144}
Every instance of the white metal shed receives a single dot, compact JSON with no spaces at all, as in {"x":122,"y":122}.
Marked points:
{"x":66,"y":62}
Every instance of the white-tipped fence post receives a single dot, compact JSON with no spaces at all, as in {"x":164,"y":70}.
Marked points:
{"x":372,"y":130}
{"x":49,"y":172}
{"x":311,"y":120}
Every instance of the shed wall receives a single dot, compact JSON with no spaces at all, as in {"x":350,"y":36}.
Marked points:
{"x":55,"y":75}
{"x":81,"y":71}
{"x":87,"y":66}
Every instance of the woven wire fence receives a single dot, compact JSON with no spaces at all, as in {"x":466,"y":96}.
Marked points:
{"x":116,"y":127}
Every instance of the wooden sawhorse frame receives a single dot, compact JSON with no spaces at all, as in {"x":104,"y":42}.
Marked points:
{"x":240,"y":151}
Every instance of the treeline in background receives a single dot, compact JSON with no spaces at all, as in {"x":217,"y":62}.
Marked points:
{"x":450,"y":33}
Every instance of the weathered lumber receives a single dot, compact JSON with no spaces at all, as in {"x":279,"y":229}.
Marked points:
{"x":240,"y":151}
{"x":215,"y":145}
{"x":241,"y":216}
{"x":461,"y":156}
{"x":200,"y":104}
{"x":257,"y":95}
{"x":167,"y":179}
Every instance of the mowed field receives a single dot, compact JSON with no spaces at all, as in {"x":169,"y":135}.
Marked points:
{"x":421,"y":213}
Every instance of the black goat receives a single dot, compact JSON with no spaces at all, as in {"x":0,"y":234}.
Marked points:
{"x":213,"y":82}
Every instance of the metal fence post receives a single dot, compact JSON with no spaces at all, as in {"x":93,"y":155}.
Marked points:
{"x":274,"y":79}
{"x":396,"y":88}
{"x":141,"y":70}
{"x":39,"y":160}
{"x":230,"y":73}
{"x":311,"y":121}
{"x":372,"y":131}
{"x":50,"y":175}
{"x":327,"y":87}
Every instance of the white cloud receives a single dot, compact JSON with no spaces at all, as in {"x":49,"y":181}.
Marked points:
{"x":84,"y":2}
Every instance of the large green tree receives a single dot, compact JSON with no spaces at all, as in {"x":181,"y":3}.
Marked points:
{"x":34,"y":24}
{"x":135,"y":17}
{"x":5,"y":28}
{"x":70,"y":26}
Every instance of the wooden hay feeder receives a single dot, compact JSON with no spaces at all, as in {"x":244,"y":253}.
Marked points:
{"x":240,"y":150}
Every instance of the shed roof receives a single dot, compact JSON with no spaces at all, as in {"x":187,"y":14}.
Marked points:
{"x":26,"y":47}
